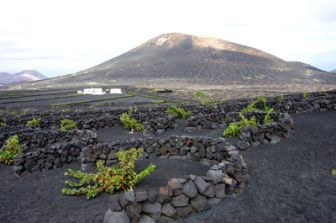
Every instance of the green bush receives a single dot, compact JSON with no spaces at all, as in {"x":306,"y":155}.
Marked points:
{"x":131,"y":123}
{"x":233,"y":129}
{"x":247,"y":122}
{"x":306,"y":95}
{"x":10,"y":150}
{"x":33,"y":122}
{"x":3,"y":124}
{"x":178,"y":112}
{"x":200,"y":94}
{"x":108,"y":179}
{"x":67,"y":124}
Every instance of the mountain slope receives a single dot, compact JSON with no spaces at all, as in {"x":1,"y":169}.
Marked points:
{"x":180,"y":58}
{"x":20,"y":77}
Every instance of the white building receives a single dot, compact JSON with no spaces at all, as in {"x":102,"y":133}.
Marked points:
{"x":93,"y":91}
{"x":115,"y":91}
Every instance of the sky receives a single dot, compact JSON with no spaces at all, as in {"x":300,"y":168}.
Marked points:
{"x":66,"y":36}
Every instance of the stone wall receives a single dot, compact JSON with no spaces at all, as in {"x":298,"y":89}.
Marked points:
{"x":50,"y":149}
{"x":156,"y":119}
{"x":181,"y":196}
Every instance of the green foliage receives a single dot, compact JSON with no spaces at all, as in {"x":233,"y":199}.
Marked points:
{"x":211,"y":102}
{"x":131,"y":123}
{"x":233,"y":129}
{"x":252,"y":107}
{"x":67,"y":124}
{"x":3,"y":124}
{"x":281,"y":98}
{"x":247,"y":122}
{"x":108,"y":179}
{"x":200,"y":94}
{"x":306,"y":95}
{"x":33,"y":122}
{"x":178,"y":112}
{"x":10,"y":150}
{"x":268,"y":119}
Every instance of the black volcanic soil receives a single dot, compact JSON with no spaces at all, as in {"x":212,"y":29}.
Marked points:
{"x":290,"y":182}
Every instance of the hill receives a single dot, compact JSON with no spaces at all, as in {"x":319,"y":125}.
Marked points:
{"x":20,"y":77}
{"x":176,"y":59}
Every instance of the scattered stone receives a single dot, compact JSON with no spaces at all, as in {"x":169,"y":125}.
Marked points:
{"x":215,"y":175}
{"x":168,"y":210}
{"x":133,"y":210}
{"x":141,"y":196}
{"x":183,"y":212}
{"x":166,"y":191}
{"x":129,"y":195}
{"x":199,"y":203}
{"x":114,"y":203}
{"x":116,"y":217}
{"x":146,"y":219}
{"x":152,"y":208}
{"x":176,"y":183}
{"x":189,"y":189}
{"x":213,"y":201}
{"x":201,"y":184}
{"x":219,"y":190}
{"x":180,"y":201}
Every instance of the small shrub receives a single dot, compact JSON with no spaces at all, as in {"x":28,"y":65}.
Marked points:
{"x":233,"y":130}
{"x":251,"y":107}
{"x":247,"y":122}
{"x":268,"y":119}
{"x":3,"y":124}
{"x":306,"y":95}
{"x":67,"y":124}
{"x":131,"y":123}
{"x":178,"y":112}
{"x":281,"y":98}
{"x":108,"y":179}
{"x":10,"y":150}
{"x":200,"y":94}
{"x":33,"y":122}
{"x":212,"y":103}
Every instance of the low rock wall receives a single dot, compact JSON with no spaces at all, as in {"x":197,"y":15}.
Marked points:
{"x":181,"y":196}
{"x":50,"y":149}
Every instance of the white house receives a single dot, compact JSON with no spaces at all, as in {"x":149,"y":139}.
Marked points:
{"x":115,"y":91}
{"x":80,"y":92}
{"x":93,"y":91}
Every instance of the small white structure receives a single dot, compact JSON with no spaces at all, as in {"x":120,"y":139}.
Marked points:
{"x":115,"y":91}
{"x":93,"y":91}
{"x":80,"y":92}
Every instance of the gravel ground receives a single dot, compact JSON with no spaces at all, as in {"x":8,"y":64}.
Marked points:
{"x":289,"y":182}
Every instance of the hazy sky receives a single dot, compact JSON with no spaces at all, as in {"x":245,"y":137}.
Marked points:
{"x":64,"y":36}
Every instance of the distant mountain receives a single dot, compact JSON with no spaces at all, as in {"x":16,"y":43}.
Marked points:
{"x":178,"y":59}
{"x":333,"y":71}
{"x":20,"y":77}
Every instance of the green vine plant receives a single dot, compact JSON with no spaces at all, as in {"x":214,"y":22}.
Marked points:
{"x":67,"y":124}
{"x":11,"y":148}
{"x":108,"y":179}
{"x":33,"y":122}
{"x":234,"y":129}
{"x":178,"y":112}
{"x":252,"y":107}
{"x":131,"y":123}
